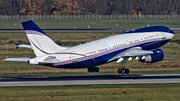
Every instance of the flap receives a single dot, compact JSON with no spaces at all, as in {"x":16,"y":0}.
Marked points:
{"x":132,"y":52}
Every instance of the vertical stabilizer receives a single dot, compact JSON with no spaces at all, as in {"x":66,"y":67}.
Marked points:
{"x":40,"y":42}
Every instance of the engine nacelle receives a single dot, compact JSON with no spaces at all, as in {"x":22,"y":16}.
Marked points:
{"x":152,"y":58}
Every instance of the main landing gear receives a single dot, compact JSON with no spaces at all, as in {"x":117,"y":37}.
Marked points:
{"x":123,"y":70}
{"x":93,"y":69}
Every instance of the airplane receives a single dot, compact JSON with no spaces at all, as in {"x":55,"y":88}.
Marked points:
{"x":140,"y":44}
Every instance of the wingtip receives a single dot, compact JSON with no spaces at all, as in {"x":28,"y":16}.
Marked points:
{"x":5,"y":59}
{"x":17,"y":45}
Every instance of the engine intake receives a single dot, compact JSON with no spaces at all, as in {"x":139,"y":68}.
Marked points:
{"x":152,"y":58}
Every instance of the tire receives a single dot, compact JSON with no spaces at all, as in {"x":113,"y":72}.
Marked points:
{"x":119,"y":71}
{"x":97,"y":69}
{"x":127,"y":71}
{"x":89,"y":69}
{"x":123,"y":71}
{"x":93,"y":69}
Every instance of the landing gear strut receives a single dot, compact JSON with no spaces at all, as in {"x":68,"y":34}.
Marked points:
{"x":93,"y":69}
{"x":123,"y":70}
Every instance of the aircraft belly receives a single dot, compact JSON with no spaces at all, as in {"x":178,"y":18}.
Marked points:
{"x":90,"y":62}
{"x":81,"y":64}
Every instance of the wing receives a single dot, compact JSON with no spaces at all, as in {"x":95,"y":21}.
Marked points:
{"x":132,"y":52}
{"x":19,"y":59}
{"x":23,"y":45}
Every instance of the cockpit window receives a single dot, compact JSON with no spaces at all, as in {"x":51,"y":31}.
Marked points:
{"x":169,"y":30}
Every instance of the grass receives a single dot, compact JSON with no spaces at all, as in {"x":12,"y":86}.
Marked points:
{"x":163,"y":92}
{"x":54,"y":24}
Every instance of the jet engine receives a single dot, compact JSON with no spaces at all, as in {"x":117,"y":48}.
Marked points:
{"x":152,"y":58}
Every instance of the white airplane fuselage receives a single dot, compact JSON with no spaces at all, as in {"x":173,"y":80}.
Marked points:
{"x":100,"y":51}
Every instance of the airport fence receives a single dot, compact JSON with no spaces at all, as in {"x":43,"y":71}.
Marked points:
{"x":86,"y":17}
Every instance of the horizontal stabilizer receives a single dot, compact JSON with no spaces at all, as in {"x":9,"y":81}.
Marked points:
{"x":19,"y":59}
{"x":29,"y":46}
{"x":23,"y":45}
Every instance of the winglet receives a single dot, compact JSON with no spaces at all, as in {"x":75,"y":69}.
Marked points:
{"x":17,"y":45}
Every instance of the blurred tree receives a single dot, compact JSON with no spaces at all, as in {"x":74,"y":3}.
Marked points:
{"x":72,"y":7}
{"x":9,"y":7}
{"x":56,"y":7}
{"x":22,"y":11}
{"x":116,"y":7}
{"x":47,"y":7}
{"x":1,"y":1}
{"x":31,"y":7}
{"x":102,"y":8}
{"x":66,"y":7}
{"x":59,"y":5}
{"x":87,"y":6}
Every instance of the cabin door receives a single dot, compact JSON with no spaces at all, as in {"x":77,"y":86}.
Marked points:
{"x":74,"y":56}
{"x":163,"y":35}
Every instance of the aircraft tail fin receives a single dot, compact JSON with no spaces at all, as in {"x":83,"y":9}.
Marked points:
{"x":40,"y":42}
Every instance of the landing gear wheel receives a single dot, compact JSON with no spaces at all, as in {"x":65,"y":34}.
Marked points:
{"x":94,"y":69}
{"x":89,"y":69}
{"x":97,"y":69}
{"x":123,"y":71}
{"x":127,"y":71}
{"x":119,"y":71}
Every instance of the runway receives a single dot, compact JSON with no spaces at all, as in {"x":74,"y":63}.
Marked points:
{"x":90,"y":80}
{"x":83,"y":30}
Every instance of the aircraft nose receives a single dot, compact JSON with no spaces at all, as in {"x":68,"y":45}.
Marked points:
{"x":171,"y":31}
{"x":171,"y":34}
